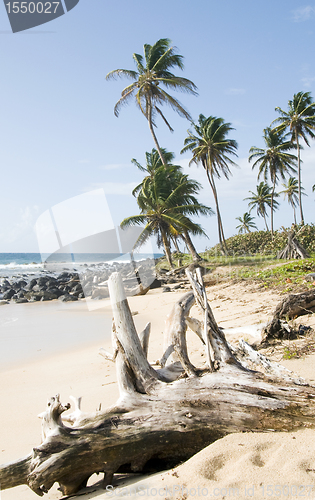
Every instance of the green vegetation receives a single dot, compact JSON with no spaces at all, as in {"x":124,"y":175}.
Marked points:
{"x":166,"y":210}
{"x":246,"y":223}
{"x":167,"y":199}
{"x":153,"y":73}
{"x":274,"y":161}
{"x":210,"y":147}
{"x":299,"y":120}
{"x":261,"y":242}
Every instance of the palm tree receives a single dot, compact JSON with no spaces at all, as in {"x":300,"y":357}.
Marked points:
{"x":246,"y":223}
{"x":274,"y":161}
{"x":211,"y":147}
{"x":153,"y":162}
{"x":261,"y":199}
{"x":153,"y":72}
{"x":167,"y":201}
{"x":291,"y":191}
{"x":300,"y":120}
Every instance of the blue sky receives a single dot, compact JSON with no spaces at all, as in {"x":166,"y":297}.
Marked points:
{"x":59,"y":135}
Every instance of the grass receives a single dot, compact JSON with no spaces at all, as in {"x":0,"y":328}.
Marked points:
{"x":264,"y":270}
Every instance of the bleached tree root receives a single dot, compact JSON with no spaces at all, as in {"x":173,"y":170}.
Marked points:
{"x":163,"y":415}
{"x":291,"y":307}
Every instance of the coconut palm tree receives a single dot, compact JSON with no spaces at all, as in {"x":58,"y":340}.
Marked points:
{"x":300,"y":121}
{"x":153,"y":162}
{"x":246,"y":223}
{"x":210,"y":146}
{"x":166,"y":202}
{"x":274,"y":161}
{"x":262,"y":199}
{"x":291,"y":192}
{"x":153,"y":73}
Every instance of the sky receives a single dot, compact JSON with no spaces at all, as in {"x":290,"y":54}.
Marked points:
{"x":59,"y":138}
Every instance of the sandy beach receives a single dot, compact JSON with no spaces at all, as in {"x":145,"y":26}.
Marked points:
{"x":240,"y":465}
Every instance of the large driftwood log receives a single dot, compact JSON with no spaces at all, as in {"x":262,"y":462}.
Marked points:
{"x":163,"y":415}
{"x":290,"y":307}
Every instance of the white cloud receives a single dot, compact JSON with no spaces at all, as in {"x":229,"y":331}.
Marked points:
{"x":303,"y":13}
{"x":308,"y":81}
{"x":235,"y":91}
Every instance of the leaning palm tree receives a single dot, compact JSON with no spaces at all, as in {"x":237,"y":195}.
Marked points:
{"x":262,"y":199}
{"x":246,"y":223}
{"x":166,"y":202}
{"x":300,"y":121}
{"x":274,"y":161}
{"x":153,"y":163}
{"x":291,"y":192}
{"x":210,"y":146}
{"x":153,"y":73}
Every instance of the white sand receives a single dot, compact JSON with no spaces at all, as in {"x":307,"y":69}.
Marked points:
{"x":252,"y":461}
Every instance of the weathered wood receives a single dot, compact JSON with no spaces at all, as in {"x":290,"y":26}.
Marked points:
{"x":290,"y":307}
{"x":165,"y":415}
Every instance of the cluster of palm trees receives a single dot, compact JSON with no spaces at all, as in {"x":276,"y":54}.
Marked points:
{"x":277,"y":161}
{"x":167,"y":197}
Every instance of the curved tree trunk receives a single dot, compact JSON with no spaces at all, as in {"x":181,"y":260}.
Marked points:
{"x":163,"y":416}
{"x":220,"y":225}
{"x":149,"y":117}
{"x":191,"y":246}
{"x":167,"y":248}
{"x":264,"y":215}
{"x":299,"y":175}
{"x":271,"y":207}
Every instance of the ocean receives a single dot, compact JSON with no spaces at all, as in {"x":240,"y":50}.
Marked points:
{"x":33,"y":264}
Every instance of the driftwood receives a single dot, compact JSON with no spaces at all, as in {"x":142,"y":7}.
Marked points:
{"x":163,"y":415}
{"x":291,"y":307}
{"x":293,"y":248}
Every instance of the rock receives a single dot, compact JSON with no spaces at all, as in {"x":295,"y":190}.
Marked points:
{"x":68,"y":298}
{"x":156,"y":284}
{"x":166,"y":289}
{"x":22,"y":300}
{"x":4,"y":302}
{"x":9,"y":294}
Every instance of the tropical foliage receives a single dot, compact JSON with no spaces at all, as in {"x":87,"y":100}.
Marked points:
{"x":153,"y":73}
{"x":261,"y":242}
{"x":167,"y":201}
{"x":246,"y":223}
{"x":261,"y":200}
{"x":274,"y":161}
{"x":291,"y":191}
{"x":211,"y":148}
{"x":300,"y":121}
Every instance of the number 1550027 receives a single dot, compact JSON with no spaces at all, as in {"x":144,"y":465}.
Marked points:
{"x":32,"y":7}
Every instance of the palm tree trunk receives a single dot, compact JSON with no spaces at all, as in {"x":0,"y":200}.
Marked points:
{"x":174,"y":240}
{"x":294,"y":214}
{"x":299,"y":175}
{"x":153,"y":133}
{"x":272,"y":195}
{"x":220,"y":225}
{"x":167,"y":249}
{"x":191,"y":247}
{"x":264,"y":216}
